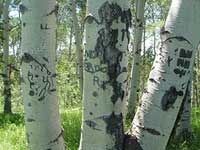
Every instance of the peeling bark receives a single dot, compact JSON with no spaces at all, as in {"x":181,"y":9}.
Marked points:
{"x":105,"y":74}
{"x":171,"y":71}
{"x":42,"y":119}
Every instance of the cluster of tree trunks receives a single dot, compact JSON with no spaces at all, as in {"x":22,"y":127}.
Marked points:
{"x":105,"y":74}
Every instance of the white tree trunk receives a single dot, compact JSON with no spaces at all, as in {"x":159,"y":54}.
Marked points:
{"x":6,"y":70}
{"x":105,"y":74}
{"x":183,"y":129}
{"x":38,"y":81}
{"x":135,"y":79}
{"x":79,"y":50}
{"x":167,"y":83}
{"x":70,"y":43}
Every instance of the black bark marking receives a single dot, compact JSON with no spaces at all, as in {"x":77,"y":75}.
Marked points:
{"x":163,"y":31}
{"x":61,"y":134}
{"x":152,"y":131}
{"x":89,"y":67}
{"x":153,"y":81}
{"x":106,"y":49}
{"x":169,"y":60}
{"x":24,"y":24}
{"x":179,"y":38}
{"x":40,"y":85}
{"x":149,"y":130}
{"x":30,"y":120}
{"x":22,"y":8}
{"x":44,"y":27}
{"x":170,"y":97}
{"x":145,"y":91}
{"x":31,"y":93}
{"x":114,"y":127}
{"x":28,"y":137}
{"x":183,"y":63}
{"x":54,"y":11}
{"x":181,"y":110}
{"x":46,"y":59}
{"x":52,"y":90}
{"x":95,"y":94}
{"x":185,"y":53}
{"x":99,"y":83}
{"x":131,"y":143}
{"x":180,"y":72}
{"x":92,"y":124}
{"x":27,"y":58}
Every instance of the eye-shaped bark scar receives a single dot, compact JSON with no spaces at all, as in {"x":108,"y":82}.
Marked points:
{"x":169,"y":98}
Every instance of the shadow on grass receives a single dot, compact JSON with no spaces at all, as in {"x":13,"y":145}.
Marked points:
{"x":6,"y":119}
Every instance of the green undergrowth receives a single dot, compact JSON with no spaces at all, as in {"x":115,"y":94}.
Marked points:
{"x":194,"y":142}
{"x":12,"y":131}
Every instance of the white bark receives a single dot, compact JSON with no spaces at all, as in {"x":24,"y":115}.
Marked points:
{"x":79,"y":50}
{"x":169,"y":76}
{"x":6,"y":70}
{"x":183,"y":128}
{"x":105,"y":74}
{"x":135,"y":79}
{"x":42,"y":119}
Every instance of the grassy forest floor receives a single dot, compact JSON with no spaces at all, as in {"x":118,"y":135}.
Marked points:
{"x":12,"y":131}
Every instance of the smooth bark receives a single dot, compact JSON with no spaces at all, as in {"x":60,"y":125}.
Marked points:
{"x":135,"y":77}
{"x":183,"y":129}
{"x":168,"y":79}
{"x":78,"y":43}
{"x":105,"y":74}
{"x":38,"y":80}
{"x":6,"y":68}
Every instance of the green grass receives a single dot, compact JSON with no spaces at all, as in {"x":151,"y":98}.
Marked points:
{"x":194,"y":144}
{"x":12,"y":132}
{"x":71,"y":122}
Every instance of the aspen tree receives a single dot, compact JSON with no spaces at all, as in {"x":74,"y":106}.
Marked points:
{"x":135,"y":79}
{"x":38,"y":80}
{"x":78,"y":43}
{"x":6,"y":68}
{"x":105,"y":74}
{"x":168,"y":79}
{"x":183,"y":129}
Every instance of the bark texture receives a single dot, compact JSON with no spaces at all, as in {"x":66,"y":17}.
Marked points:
{"x":105,"y":74}
{"x":167,"y":83}
{"x":78,"y":43}
{"x":6,"y":68}
{"x":135,"y":79}
{"x":183,"y":129}
{"x":38,"y":80}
